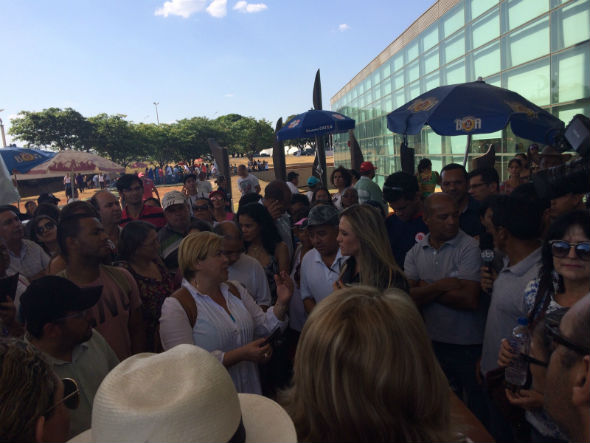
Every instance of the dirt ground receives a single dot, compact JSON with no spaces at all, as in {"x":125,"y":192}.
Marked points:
{"x":291,"y":161}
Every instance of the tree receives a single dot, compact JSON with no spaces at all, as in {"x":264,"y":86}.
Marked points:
{"x":245,"y":135}
{"x":191,"y":137}
{"x":154,"y":140}
{"x":52,"y":128}
{"x":116,"y":138}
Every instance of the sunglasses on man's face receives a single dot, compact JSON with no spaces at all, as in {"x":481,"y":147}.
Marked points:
{"x":558,"y":339}
{"x":533,"y":361}
{"x":46,"y":227}
{"x":561,"y":249}
{"x":201,"y":208}
{"x":71,"y":398}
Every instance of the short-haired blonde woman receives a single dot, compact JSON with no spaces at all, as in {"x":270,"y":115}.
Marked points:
{"x":365,"y":371}
{"x":363,"y":237}
{"x":221,"y":316}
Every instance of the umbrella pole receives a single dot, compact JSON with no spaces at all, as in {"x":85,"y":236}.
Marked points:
{"x":467,"y":150}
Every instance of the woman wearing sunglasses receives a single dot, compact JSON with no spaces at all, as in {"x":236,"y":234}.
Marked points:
{"x":43,"y":231}
{"x":35,"y":402}
{"x":564,"y":278}
{"x":220,"y":212}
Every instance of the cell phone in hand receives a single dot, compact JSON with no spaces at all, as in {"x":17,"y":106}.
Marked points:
{"x":8,"y":286}
{"x":272,"y":338}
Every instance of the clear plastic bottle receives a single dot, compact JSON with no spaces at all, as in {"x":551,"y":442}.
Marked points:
{"x":516,"y":372}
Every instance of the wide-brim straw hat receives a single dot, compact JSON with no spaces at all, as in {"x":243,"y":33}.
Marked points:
{"x":182,"y":395}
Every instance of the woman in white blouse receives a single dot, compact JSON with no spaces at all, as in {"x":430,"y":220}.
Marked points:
{"x":229,"y":323}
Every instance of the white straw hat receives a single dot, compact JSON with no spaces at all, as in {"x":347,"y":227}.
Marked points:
{"x":181,"y":395}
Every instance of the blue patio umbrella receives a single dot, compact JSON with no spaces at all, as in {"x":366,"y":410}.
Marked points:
{"x":22,"y":160}
{"x":474,"y":108}
{"x":313,"y":123}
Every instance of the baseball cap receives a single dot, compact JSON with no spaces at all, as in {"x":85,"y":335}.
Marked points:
{"x":312,"y":181}
{"x":291,"y":175}
{"x":47,"y":198}
{"x":51,"y":297}
{"x":323,"y":215}
{"x":173,"y":198}
{"x":399,"y":185}
{"x":367,"y":166}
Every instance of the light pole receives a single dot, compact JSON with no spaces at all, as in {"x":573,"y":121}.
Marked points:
{"x":157,"y":116}
{"x":2,"y":131}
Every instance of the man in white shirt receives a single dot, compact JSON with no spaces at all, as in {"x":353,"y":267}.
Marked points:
{"x":243,"y":268}
{"x":247,"y":183}
{"x":203,"y":186}
{"x":321,"y":266}
{"x":293,"y":182}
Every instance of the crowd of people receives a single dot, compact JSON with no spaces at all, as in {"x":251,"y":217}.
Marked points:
{"x":366,"y":314}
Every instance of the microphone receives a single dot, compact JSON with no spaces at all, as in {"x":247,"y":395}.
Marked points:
{"x":486,"y":245}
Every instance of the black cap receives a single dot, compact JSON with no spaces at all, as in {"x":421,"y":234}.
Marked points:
{"x":48,"y":198}
{"x":291,"y":175}
{"x":50,"y":298}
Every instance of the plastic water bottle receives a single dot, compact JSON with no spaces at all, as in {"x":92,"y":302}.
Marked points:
{"x":516,"y":372}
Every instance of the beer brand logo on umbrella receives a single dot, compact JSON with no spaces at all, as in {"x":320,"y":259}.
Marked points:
{"x":338,"y":116}
{"x":423,"y":104}
{"x":521,"y":108}
{"x":467,"y":124}
{"x":294,"y":123}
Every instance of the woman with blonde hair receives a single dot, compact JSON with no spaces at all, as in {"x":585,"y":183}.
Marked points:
{"x":365,"y":371}
{"x":221,"y":316}
{"x":363,"y":237}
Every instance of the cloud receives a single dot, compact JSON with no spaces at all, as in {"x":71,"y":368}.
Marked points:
{"x":343,"y":27}
{"x":249,"y":8}
{"x":217,"y":8}
{"x":182,"y":8}
{"x":228,"y":95}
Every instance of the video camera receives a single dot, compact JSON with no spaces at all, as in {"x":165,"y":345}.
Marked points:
{"x":573,"y":176}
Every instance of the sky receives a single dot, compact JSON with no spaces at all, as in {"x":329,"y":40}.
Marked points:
{"x":192,"y":57}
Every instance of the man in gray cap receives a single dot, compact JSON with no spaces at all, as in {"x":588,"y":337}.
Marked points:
{"x":321,"y":266}
{"x":178,"y":221}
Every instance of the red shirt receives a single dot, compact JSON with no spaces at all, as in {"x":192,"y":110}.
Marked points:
{"x":149,"y":214}
{"x":148,"y":185}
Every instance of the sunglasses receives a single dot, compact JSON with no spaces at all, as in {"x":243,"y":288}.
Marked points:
{"x":216,"y":198}
{"x":533,"y":360}
{"x":558,"y":339}
{"x":201,"y":208}
{"x":561,"y":249}
{"x":71,"y":398}
{"x":46,"y":227}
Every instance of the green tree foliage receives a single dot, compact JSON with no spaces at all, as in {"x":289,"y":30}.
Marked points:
{"x":52,"y":128}
{"x":245,"y":135}
{"x":116,"y":138}
{"x":299,"y":143}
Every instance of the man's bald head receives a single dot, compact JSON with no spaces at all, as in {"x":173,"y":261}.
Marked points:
{"x":435,"y":200}
{"x":228,"y":229}
{"x":232,"y":245}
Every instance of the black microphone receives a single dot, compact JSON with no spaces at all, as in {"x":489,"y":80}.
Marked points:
{"x":486,"y":245}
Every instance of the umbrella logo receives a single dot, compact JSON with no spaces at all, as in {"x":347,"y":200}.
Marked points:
{"x":425,"y":104}
{"x":25,"y":157}
{"x":294,"y":123}
{"x":338,"y":116}
{"x":521,"y":108}
{"x":467,"y":124}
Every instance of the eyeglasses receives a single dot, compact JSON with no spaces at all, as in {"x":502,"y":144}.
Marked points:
{"x":46,"y":227}
{"x":71,"y":398}
{"x":201,"y":208}
{"x":558,"y":339}
{"x":561,"y":249}
{"x":533,"y":360}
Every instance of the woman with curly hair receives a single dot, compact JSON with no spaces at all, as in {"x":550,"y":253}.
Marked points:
{"x":341,"y":179}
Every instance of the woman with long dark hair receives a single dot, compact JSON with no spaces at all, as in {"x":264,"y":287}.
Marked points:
{"x":43,"y":231}
{"x":263,"y":241}
{"x":341,"y":179}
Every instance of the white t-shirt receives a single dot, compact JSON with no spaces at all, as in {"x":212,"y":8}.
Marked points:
{"x":248,"y":184}
{"x":203,"y":188}
{"x":293,"y":188}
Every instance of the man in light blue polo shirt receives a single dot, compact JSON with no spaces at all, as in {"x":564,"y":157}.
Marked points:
{"x":321,"y":266}
{"x":443,"y":271}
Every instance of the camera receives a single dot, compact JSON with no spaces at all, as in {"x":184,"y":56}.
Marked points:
{"x":574,"y":175}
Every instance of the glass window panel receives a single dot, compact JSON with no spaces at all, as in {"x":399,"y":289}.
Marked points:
{"x":398,"y":81}
{"x":413,"y":71}
{"x":454,"y":47}
{"x":412,"y":51}
{"x":526,"y":44}
{"x":453,"y":20}
{"x":414,"y":90}
{"x":532,"y":81}
{"x":480,"y":6}
{"x":566,"y":113}
{"x":386,"y":105}
{"x":570,"y":25}
{"x":431,"y":81}
{"x":433,"y":144}
{"x":494,"y":81}
{"x":430,"y":60}
{"x":386,"y":69}
{"x":455,"y":73}
{"x":521,"y":11}
{"x":397,"y":62}
{"x":487,"y":61}
{"x":457,"y":144}
{"x":399,"y":99}
{"x":572,"y":74}
{"x":486,"y":28}
{"x":430,"y":37}
{"x":385,"y":88}
{"x":389,"y":141}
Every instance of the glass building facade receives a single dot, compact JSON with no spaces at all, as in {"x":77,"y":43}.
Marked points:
{"x":538,"y":48}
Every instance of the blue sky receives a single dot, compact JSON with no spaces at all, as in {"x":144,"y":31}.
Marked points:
{"x":194,"y":57}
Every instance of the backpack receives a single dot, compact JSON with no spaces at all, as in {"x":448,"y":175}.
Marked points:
{"x":189,"y":305}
